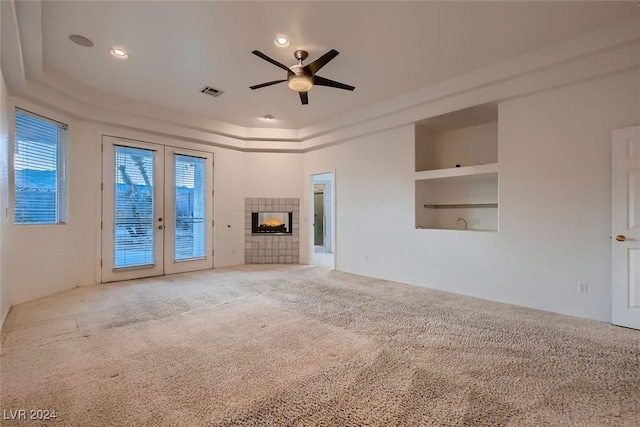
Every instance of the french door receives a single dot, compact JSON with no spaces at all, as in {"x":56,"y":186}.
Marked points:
{"x":156,"y":210}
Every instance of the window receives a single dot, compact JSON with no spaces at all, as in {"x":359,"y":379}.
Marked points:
{"x":191,"y":208}
{"x":39,"y":170}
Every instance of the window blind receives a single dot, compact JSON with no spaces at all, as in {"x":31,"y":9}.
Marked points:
{"x":39,"y":170}
{"x":134,"y":240}
{"x":190,"y":232}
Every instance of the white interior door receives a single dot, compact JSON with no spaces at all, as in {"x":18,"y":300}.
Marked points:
{"x":157,"y":210}
{"x":625,"y":227}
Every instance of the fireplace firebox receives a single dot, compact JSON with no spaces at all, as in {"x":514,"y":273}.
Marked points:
{"x":272,"y":223}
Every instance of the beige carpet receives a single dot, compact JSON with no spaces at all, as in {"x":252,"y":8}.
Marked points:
{"x":303,"y":346}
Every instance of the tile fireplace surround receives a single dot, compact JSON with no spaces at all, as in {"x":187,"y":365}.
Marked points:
{"x":272,"y":249}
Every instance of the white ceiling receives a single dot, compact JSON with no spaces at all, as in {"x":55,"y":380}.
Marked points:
{"x":386,"y":49}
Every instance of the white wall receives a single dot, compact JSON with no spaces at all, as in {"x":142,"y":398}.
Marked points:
{"x":273,"y":174}
{"x":228,"y":207}
{"x":374,"y":199}
{"x":47,"y":259}
{"x":555,"y":192}
{"x":554,"y":152}
{"x":5,"y":302}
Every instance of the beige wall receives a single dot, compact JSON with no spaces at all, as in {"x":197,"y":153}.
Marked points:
{"x":555,"y":192}
{"x":272,"y":174}
{"x":554,"y":164}
{"x":47,"y":259}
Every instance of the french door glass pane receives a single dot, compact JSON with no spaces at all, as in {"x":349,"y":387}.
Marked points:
{"x":190,"y":242}
{"x":134,"y":216}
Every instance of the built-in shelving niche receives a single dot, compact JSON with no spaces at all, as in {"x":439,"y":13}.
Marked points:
{"x":456,"y":175}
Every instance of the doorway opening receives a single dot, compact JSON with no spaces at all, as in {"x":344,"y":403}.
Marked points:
{"x":323,"y":211}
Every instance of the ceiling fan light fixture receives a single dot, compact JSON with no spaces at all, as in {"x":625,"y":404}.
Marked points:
{"x":300,"y":83}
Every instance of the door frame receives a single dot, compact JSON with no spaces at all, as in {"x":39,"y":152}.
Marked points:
{"x":334,"y":221}
{"x":103,"y":136}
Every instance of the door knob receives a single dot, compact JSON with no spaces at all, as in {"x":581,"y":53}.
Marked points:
{"x":621,"y":238}
{"x":160,"y":219}
{"x":159,"y":227}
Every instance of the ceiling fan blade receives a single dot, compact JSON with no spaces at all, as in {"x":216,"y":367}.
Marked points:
{"x":321,"y":62}
{"x":321,"y":81}
{"x":304,"y":98}
{"x":266,"y":84}
{"x":273,"y":61}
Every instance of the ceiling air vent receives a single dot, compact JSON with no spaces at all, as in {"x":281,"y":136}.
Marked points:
{"x":208,"y":90}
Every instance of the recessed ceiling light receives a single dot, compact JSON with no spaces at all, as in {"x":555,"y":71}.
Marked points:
{"x":268,"y":117}
{"x":79,"y":40}
{"x":281,"y":41}
{"x":119,"y":53}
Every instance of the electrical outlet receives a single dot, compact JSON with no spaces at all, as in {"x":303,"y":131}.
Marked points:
{"x":583,"y":288}
{"x":475,"y":221}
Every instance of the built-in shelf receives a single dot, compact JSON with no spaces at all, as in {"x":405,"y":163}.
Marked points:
{"x":456,"y":170}
{"x":461,"y":171}
{"x":466,"y":230}
{"x":463,"y":206}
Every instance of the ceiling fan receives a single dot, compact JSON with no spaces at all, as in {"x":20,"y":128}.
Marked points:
{"x":300,"y":77}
